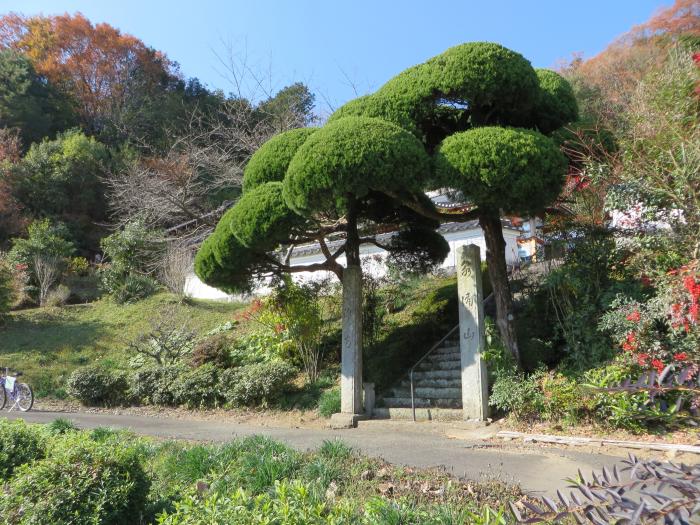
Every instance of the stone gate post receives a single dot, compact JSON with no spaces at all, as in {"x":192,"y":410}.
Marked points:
{"x":471,"y":334}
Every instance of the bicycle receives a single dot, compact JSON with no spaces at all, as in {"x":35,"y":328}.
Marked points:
{"x":20,"y":394}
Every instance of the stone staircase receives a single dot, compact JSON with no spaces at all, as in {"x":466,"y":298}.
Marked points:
{"x":437,"y":388}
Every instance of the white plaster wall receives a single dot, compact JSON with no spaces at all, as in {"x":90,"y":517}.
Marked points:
{"x":372,"y":257}
{"x":194,"y":287}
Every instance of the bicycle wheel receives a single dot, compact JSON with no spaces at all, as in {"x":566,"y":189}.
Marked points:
{"x":3,"y":397}
{"x":24,"y":396}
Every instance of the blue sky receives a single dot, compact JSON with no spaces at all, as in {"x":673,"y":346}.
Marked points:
{"x":340,"y":48}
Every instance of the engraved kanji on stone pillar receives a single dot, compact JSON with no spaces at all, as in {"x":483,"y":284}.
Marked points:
{"x":471,"y":334}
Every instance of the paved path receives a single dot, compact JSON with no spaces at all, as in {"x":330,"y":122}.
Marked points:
{"x":538,"y":470}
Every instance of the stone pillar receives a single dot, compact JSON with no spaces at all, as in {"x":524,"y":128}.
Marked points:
{"x":471,"y":334}
{"x":351,"y":352}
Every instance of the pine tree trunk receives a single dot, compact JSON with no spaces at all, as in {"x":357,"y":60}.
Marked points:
{"x":498,"y":273}
{"x":351,"y":367}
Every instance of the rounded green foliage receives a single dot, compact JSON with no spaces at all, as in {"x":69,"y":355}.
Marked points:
{"x":270,"y":162}
{"x":495,"y":83}
{"x":197,"y":387}
{"x":256,"y":384}
{"x":514,"y":170}
{"x":401,"y":112}
{"x":491,"y":82}
{"x":96,"y":385}
{"x":81,"y":481}
{"x":154,"y":385}
{"x":223,"y":262}
{"x":556,"y":105}
{"x":261,"y":219}
{"x":352,"y":156}
{"x":19,"y":444}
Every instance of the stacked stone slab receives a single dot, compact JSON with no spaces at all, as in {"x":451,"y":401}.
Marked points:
{"x":437,"y":386}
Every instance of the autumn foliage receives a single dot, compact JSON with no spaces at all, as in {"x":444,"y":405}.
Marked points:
{"x":612,"y":76}
{"x":95,"y":64}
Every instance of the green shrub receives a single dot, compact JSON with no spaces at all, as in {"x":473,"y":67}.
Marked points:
{"x":618,"y":409}
{"x":134,"y":288}
{"x":154,"y":385}
{"x":60,"y":426}
{"x":198,"y":387}
{"x":329,"y":403}
{"x":19,"y":444}
{"x":130,"y":253}
{"x":214,"y":350}
{"x":256,"y":384}
{"x":562,"y":398}
{"x":79,"y":266}
{"x":289,"y":502}
{"x":513,"y":392}
{"x":81,"y":481}
{"x":96,"y":385}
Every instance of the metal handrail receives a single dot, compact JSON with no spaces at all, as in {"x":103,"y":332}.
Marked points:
{"x":410,"y":372}
{"x":432,"y":349}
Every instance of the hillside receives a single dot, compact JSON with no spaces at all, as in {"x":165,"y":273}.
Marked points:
{"x":48,"y":343}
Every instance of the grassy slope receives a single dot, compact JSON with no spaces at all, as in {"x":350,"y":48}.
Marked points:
{"x":47,"y":344}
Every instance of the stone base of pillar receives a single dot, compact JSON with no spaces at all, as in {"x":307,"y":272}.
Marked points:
{"x":343,"y":420}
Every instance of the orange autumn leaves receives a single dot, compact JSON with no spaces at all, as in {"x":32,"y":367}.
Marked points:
{"x":91,"y":63}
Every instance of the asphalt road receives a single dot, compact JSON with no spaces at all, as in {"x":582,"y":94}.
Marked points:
{"x":537,"y":470}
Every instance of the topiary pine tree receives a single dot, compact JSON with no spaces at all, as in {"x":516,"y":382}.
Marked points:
{"x":465,"y":119}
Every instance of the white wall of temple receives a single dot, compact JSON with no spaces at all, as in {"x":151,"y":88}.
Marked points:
{"x":372,"y":261}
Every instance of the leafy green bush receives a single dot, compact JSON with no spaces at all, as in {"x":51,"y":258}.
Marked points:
{"x":96,"y":385}
{"x":257,"y":346}
{"x":129,"y":252}
{"x":48,"y":244}
{"x":81,"y":481}
{"x":214,"y":350}
{"x":198,"y":387}
{"x":329,"y":403}
{"x":515,"y":393}
{"x":19,"y":444}
{"x":154,"y":385}
{"x":60,"y":426}
{"x":133,"y":288}
{"x":289,"y":502}
{"x":562,"y":397}
{"x":619,"y":409}
{"x":257,"y":383}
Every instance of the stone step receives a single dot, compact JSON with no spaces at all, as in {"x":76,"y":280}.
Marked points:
{"x":405,"y":402}
{"x":436,"y":358}
{"x":420,"y":375}
{"x":455,"y":382}
{"x":452,"y":348}
{"x":427,"y":393}
{"x":422,"y":414}
{"x":452,"y":364}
